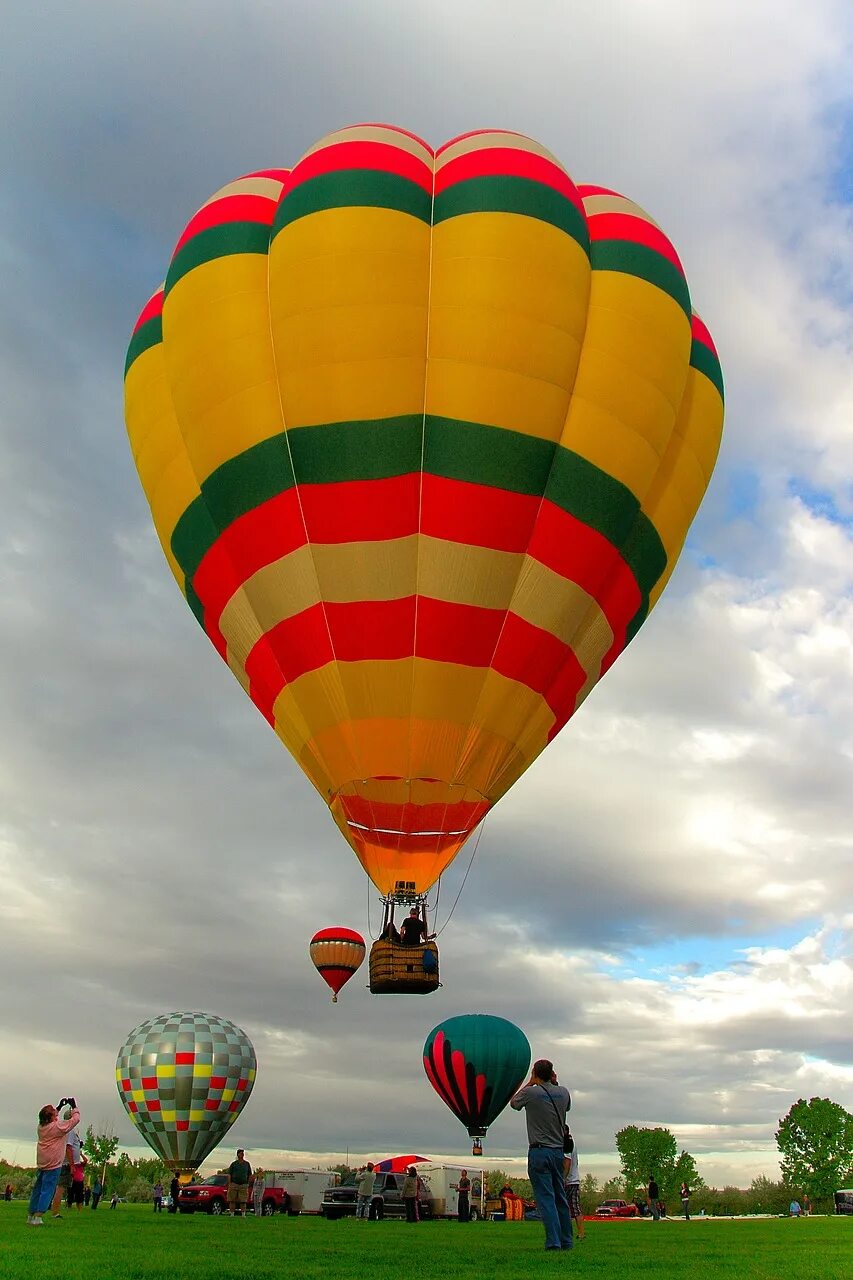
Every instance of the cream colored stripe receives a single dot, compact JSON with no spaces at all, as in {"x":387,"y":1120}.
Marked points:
{"x":482,"y":141}
{"x":373,"y":133}
{"x":270,"y":187}
{"x":615,"y":204}
{"x":450,"y":571}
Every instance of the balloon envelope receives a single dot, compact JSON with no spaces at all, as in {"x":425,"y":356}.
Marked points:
{"x":422,"y":433}
{"x":475,"y":1063}
{"x":337,"y":954}
{"x":183,"y":1079}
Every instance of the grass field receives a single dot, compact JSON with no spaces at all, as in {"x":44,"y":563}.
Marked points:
{"x":133,"y":1243}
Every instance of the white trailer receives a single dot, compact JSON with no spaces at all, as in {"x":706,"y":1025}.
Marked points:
{"x":304,"y":1186}
{"x":439,"y":1183}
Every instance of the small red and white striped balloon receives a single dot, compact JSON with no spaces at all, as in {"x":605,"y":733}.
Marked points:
{"x":337,"y":954}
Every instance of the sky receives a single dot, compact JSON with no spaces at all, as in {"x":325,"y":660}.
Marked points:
{"x":663,"y":902}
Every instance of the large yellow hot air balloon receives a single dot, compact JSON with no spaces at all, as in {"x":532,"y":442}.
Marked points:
{"x":422,"y":433}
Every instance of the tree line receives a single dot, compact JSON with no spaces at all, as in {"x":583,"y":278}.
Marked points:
{"x":815,"y":1142}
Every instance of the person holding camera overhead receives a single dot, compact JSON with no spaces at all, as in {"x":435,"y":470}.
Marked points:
{"x":546,"y":1103}
{"x":50,"y":1153}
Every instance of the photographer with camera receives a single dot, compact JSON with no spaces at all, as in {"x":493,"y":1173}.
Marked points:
{"x":50,"y":1154}
{"x":546,"y":1103}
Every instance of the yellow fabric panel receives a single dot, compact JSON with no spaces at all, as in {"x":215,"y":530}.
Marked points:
{"x":348,"y":310}
{"x":630,"y":380}
{"x":684,"y":475}
{"x":196,"y":1115}
{"x":202,"y":1069}
{"x":168,"y":1116}
{"x":155,"y":440}
{"x":216,"y":337}
{"x":507,"y":315}
{"x":447,"y":692}
{"x":166,"y":1070}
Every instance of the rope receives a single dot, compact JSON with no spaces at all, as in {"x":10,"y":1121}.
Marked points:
{"x":440,"y":931}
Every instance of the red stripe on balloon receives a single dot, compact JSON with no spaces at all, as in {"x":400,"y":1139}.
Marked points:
{"x":152,"y":308}
{"x":384,"y":157}
{"x":235,"y":208}
{"x":627,"y":226}
{"x":507,"y":162}
{"x":458,"y":1065}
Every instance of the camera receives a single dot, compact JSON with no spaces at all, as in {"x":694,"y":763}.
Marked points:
{"x":71,"y":1102}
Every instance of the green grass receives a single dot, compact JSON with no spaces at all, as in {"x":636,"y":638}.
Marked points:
{"x":132,"y":1243}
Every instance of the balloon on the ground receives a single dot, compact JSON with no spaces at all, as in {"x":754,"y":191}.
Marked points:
{"x":475,"y":1062}
{"x":422,"y":432}
{"x":337,"y":954}
{"x":184,"y":1078}
{"x":397,"y":1164}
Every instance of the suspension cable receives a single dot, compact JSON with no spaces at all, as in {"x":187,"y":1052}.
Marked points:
{"x":440,"y":931}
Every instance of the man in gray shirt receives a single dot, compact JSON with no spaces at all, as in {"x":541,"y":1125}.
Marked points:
{"x":545,"y":1103}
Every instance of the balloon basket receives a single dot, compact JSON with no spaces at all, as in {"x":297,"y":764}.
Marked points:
{"x":396,"y":969}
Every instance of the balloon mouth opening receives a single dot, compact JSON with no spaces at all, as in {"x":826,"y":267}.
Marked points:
{"x":408,"y":815}
{"x":476,"y":1131}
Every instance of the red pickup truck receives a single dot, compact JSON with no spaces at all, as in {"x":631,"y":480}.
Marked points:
{"x":211,"y":1196}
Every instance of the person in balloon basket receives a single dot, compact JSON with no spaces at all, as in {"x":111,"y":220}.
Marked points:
{"x":413,"y":930}
{"x":51,"y":1151}
{"x":545,"y":1103}
{"x":409,"y":1194}
{"x":239,"y":1173}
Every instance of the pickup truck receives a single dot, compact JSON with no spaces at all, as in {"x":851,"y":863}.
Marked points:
{"x":387,"y":1201}
{"x":617,"y":1209}
{"x":211,"y":1196}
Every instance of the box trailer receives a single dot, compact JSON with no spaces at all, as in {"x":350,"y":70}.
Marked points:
{"x":304,"y":1186}
{"x":439,"y":1187}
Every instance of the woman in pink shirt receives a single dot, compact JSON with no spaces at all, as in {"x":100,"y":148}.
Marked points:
{"x":50,"y":1153}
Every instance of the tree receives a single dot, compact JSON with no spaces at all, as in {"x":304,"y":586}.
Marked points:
{"x":591,"y":1195}
{"x":684,"y":1170}
{"x":815,"y":1141}
{"x":643,"y":1153}
{"x":99,"y":1149}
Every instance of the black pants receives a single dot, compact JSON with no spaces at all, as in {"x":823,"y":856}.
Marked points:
{"x":464,"y":1207}
{"x":411,"y":1209}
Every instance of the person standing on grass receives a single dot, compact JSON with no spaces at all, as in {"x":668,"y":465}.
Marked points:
{"x":51,"y":1149}
{"x":364,"y":1187}
{"x":158,"y":1196}
{"x":97,"y":1192}
{"x":463,"y":1196}
{"x":571,"y":1173}
{"x":409,"y":1194}
{"x":259,"y":1186}
{"x":545,"y":1103}
{"x":654,"y":1198}
{"x":174,"y":1193}
{"x":239,"y":1173}
{"x":684,"y":1193}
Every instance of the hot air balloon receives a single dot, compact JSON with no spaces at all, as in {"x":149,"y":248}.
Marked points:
{"x":184,"y":1078}
{"x":476,"y":1062}
{"x":422,"y":433}
{"x":337,"y":954}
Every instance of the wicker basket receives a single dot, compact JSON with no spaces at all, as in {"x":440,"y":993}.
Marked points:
{"x":398,"y":969}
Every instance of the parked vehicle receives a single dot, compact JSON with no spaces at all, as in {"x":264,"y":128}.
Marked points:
{"x":208,"y":1196}
{"x":843,"y":1201}
{"x":286,"y":1191}
{"x":439,"y":1187}
{"x":386,"y":1200}
{"x":617,"y":1209}
{"x":295,"y":1190}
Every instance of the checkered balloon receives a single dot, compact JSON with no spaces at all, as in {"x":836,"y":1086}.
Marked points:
{"x":183,"y":1079}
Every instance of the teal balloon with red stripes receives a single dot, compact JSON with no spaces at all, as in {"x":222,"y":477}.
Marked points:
{"x":476,"y":1062}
